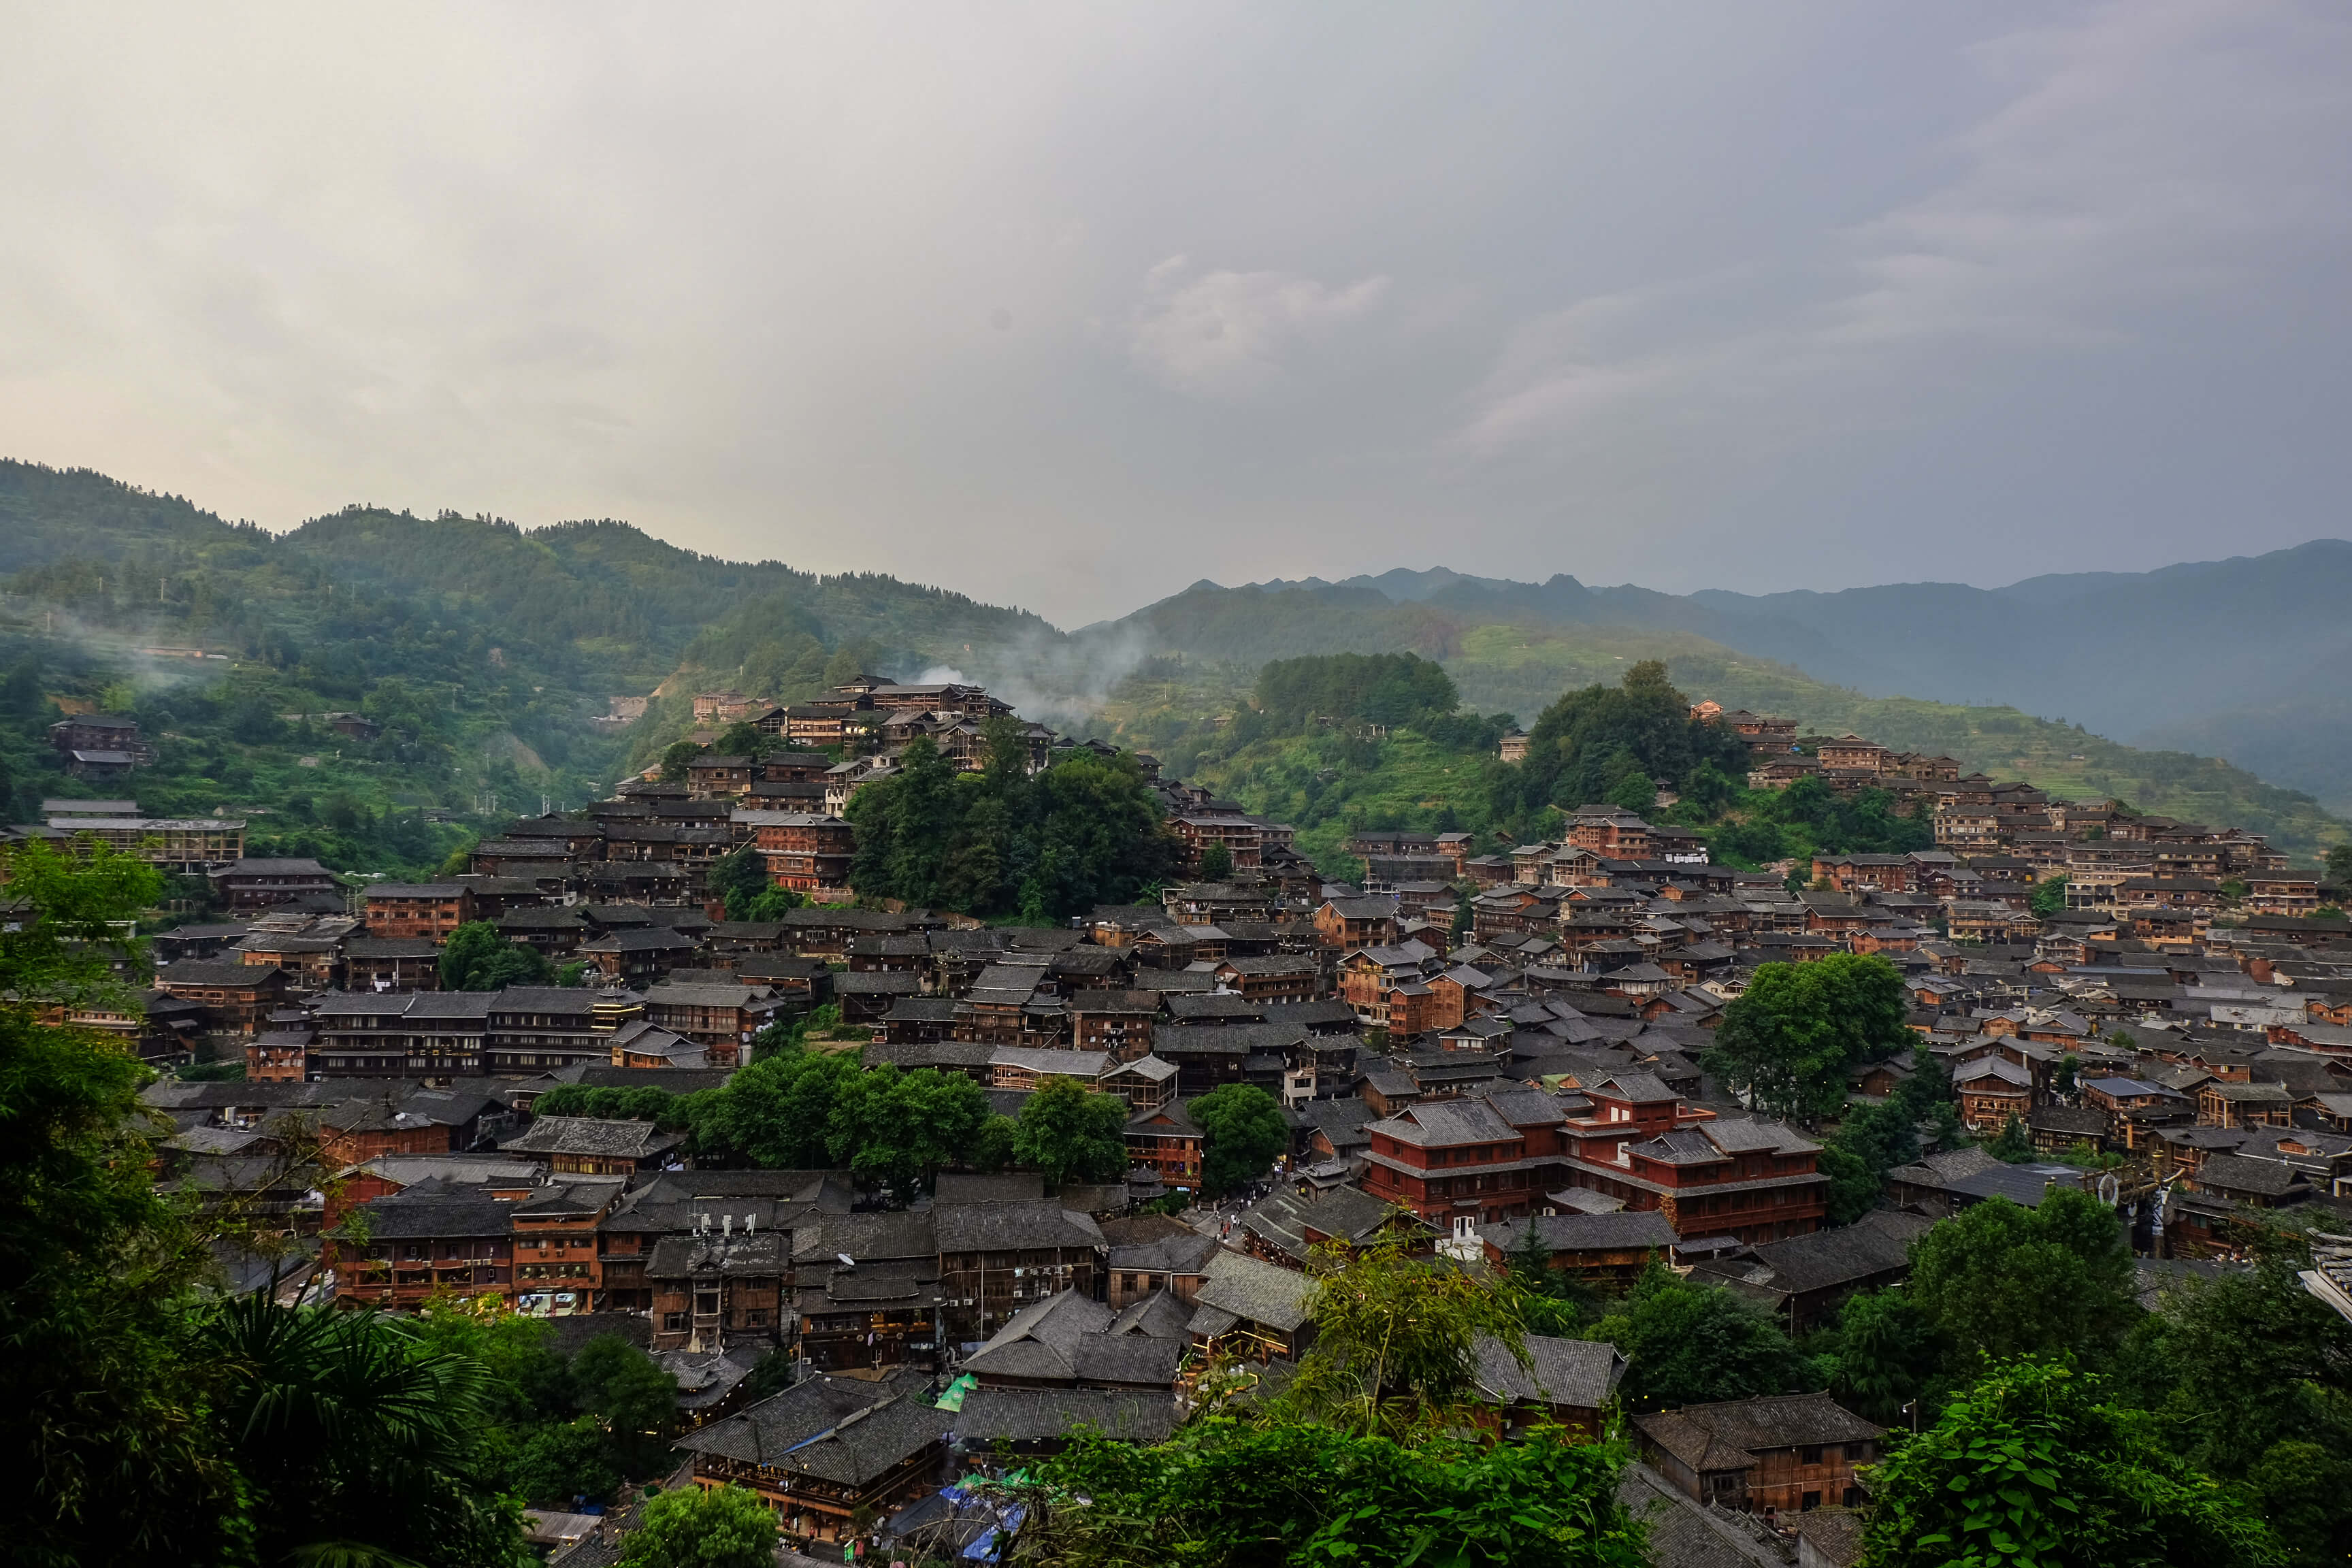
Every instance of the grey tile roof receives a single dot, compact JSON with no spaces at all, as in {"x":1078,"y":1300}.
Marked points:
{"x":1580,"y":1373}
{"x":836,"y":1429}
{"x":590,"y":1135}
{"x":1028,"y":1415}
{"x":1872,"y":1245}
{"x":1613,"y":1232}
{"x":1252,"y":1290}
{"x":1728,"y":1436}
{"x":1012,"y":1227}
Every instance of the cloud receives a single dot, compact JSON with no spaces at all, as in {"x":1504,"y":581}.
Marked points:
{"x":1226,"y":335}
{"x":2084,"y":214}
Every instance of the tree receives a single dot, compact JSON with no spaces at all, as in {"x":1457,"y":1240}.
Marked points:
{"x":476,"y":958}
{"x":1216,"y":863}
{"x":1221,"y":1491}
{"x":1241,"y":1131}
{"x":738,"y":877}
{"x":1593,"y":740}
{"x":778,"y":1112}
{"x":1690,"y":1344}
{"x":111,"y":1434}
{"x":633,"y":1401}
{"x":740,"y":739}
{"x":1072,"y":1134}
{"x":896,"y":1128}
{"x":2248,"y":1373}
{"x":2340,"y":865}
{"x":694,"y":1527}
{"x":2030,"y":1465}
{"x":1886,"y":1354}
{"x":1787,"y":1043}
{"x":352,"y":1433}
{"x":992,"y":1149}
{"x":2048,"y":897}
{"x":2002,"y":1281}
{"x":676,"y":757}
{"x":2012,"y":1143}
{"x":1396,"y":1340}
{"x":1085,"y":831}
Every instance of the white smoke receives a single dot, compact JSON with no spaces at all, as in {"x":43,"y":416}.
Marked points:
{"x":1048,"y":679}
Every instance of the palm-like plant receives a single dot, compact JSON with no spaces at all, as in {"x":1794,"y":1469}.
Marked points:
{"x":356,"y":1440}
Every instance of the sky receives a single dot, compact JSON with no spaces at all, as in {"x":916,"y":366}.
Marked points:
{"x":1070,"y":306}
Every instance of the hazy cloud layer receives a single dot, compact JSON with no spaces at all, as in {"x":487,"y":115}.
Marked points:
{"x":1072,"y":305}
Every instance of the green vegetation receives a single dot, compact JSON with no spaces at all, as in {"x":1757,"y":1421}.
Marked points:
{"x":1872,"y":1140}
{"x":2032,"y":1464}
{"x":1693,"y":1343}
{"x":476,"y":958}
{"x":1241,"y":1131}
{"x":1363,"y":1459}
{"x":723,"y":1527}
{"x":1084,"y":831}
{"x":1789,"y":1040}
{"x":1602,"y":743}
{"x":1070,"y":1133}
{"x":1353,"y":688}
{"x":155,"y":1421}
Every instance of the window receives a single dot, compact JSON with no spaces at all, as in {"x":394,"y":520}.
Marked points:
{"x":756,"y":1318}
{"x":1812,"y":1500}
{"x":674,"y":1321}
{"x":1811,"y":1454}
{"x":1857,"y":1452}
{"x":1852,"y":1498}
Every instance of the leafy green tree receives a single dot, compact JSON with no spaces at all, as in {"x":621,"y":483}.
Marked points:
{"x":1592,"y":738}
{"x":476,"y":958}
{"x":1788,"y":1041}
{"x":1549,"y":1300}
{"x":634,"y":1401}
{"x":352,"y":1433}
{"x":740,"y":739}
{"x":1396,"y":1340}
{"x":2002,"y":1280}
{"x":2048,"y":897}
{"x":898,"y":1128}
{"x":2340,"y":865}
{"x":992,"y":1149}
{"x":560,"y":1463}
{"x":676,"y":757}
{"x":110,"y":1438}
{"x":1886,"y":1354}
{"x":2032,"y":1465}
{"x":1691,"y":1344}
{"x":1241,"y":1131}
{"x":2012,"y":1143}
{"x":1221,"y":1491}
{"x":2248,"y":1373}
{"x":1375,"y":688}
{"x":778,"y":1112}
{"x":1216,"y":863}
{"x":770,"y":904}
{"x":1070,"y":1133}
{"x":694,"y":1527}
{"x":738,"y":877}
{"x":1085,"y":831}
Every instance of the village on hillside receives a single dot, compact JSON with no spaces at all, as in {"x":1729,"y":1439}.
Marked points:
{"x":1487,"y":1051}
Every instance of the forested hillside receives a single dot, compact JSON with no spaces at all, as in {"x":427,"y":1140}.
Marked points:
{"x":488,"y":651}
{"x":485,"y":651}
{"x":2249,"y":658}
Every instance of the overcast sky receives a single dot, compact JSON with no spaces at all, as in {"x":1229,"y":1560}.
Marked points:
{"x":1070,"y":306}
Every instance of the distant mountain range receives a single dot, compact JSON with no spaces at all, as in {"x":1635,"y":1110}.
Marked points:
{"x":2248,"y":658}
